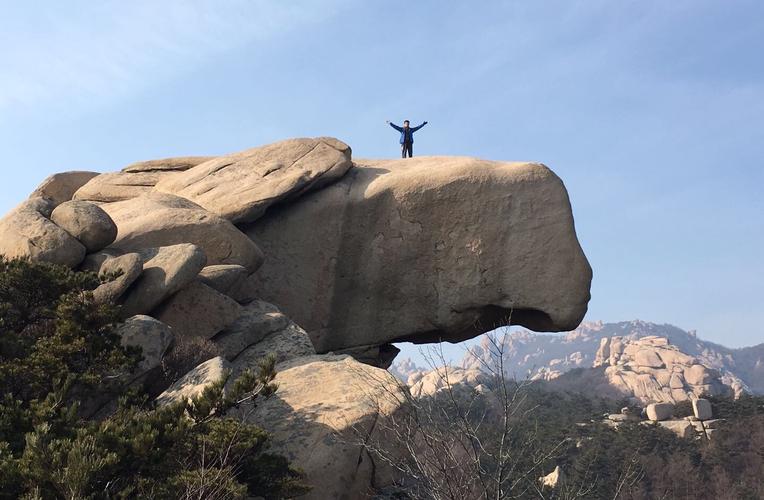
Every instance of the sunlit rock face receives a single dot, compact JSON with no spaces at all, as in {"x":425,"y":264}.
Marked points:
{"x":425,"y":249}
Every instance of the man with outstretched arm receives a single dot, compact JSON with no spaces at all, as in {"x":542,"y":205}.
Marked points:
{"x":407,"y":137}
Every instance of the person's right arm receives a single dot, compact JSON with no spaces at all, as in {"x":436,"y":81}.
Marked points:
{"x":396,"y":127}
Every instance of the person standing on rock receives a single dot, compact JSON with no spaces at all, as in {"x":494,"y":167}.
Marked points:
{"x":407,"y":137}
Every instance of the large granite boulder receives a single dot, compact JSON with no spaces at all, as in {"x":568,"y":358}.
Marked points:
{"x":27,"y":231}
{"x":178,"y":164}
{"x":241,"y":186}
{"x":256,"y":321}
{"x":425,"y":249}
{"x":225,"y":278}
{"x":61,"y":187}
{"x":124,"y":270}
{"x":152,"y":336}
{"x":198,"y":311}
{"x":160,"y":219}
{"x":651,"y":369}
{"x":324,"y":405}
{"x":193,"y":383}
{"x":165,"y":271}
{"x":134,"y":180}
{"x":87,"y":222}
{"x":119,"y":186}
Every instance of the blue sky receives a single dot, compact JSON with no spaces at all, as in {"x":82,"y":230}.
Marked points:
{"x":650,"y":111}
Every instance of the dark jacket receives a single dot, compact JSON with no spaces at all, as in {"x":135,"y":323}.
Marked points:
{"x":407,"y":135}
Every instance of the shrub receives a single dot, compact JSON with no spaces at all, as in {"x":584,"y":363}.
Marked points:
{"x":58,"y":352}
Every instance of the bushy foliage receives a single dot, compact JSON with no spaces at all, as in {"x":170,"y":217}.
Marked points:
{"x":59,"y":357}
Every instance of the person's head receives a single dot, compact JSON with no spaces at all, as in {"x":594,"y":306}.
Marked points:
{"x":406,"y":123}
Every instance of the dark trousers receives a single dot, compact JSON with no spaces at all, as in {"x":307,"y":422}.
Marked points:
{"x":407,"y":146}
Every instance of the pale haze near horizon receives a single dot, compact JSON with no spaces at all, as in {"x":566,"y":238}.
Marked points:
{"x":649,"y":111}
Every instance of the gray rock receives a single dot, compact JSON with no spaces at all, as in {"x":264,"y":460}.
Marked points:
{"x":130,"y":267}
{"x":425,"y":249}
{"x":87,"y":222}
{"x":648,"y":357}
{"x":681,"y":428}
{"x":659,"y":411}
{"x":61,"y":187}
{"x":224,"y":277}
{"x":198,"y":311}
{"x":151,"y":335}
{"x":288,"y":343}
{"x":193,"y":383}
{"x":702,"y":409}
{"x":94,"y":261}
{"x":159,"y":219}
{"x":256,"y":321}
{"x":323,"y":404}
{"x":120,"y":186}
{"x":241,"y":186}
{"x":178,"y":164}
{"x":165,"y":271}
{"x":27,"y":231}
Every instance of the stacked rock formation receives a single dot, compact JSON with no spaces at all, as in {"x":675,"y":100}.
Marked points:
{"x":652,"y":370}
{"x":356,"y":255}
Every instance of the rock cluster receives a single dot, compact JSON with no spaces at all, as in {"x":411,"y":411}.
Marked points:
{"x":652,"y":370}
{"x":359,"y":254}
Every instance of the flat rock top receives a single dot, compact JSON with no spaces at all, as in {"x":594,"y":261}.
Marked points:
{"x":431,"y":171}
{"x":241,"y":186}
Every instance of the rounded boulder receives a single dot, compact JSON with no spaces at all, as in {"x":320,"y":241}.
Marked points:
{"x":87,"y":222}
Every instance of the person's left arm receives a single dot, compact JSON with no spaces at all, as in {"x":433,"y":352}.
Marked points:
{"x":420,"y":126}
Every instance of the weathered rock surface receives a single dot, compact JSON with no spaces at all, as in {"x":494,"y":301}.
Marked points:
{"x":61,"y":187}
{"x":119,"y":186}
{"x":87,"y":222}
{"x":151,"y":335}
{"x":659,"y":411}
{"x":653,"y":370}
{"x":701,"y":408}
{"x":324,"y":404}
{"x":256,"y":321}
{"x":439,"y":379}
{"x":682,"y":428}
{"x":198,"y":311}
{"x":286,"y":344}
{"x":178,"y":164}
{"x":27,"y":231}
{"x":373,"y":259}
{"x":130,"y":266}
{"x":225,"y":278}
{"x":159,"y":219}
{"x":553,"y":479}
{"x":193,"y":383}
{"x":241,"y":186}
{"x":165,"y":271}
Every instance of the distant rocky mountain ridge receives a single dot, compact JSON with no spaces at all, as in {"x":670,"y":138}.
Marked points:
{"x":548,"y":356}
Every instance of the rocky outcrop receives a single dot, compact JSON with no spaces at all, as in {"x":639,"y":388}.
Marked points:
{"x":178,"y":164}
{"x":27,"y":231}
{"x":548,"y":357}
{"x":386,"y":251}
{"x":325,"y":406}
{"x":158,"y":219}
{"x":652,"y":370}
{"x":61,"y":187}
{"x":241,"y":186}
{"x":87,"y":222}
{"x":125,"y":269}
{"x":198,"y":311}
{"x":165,"y":271}
{"x":370,"y":260}
{"x":449,"y":377}
{"x":152,"y":336}
{"x":193,"y":383}
{"x":134,"y":180}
